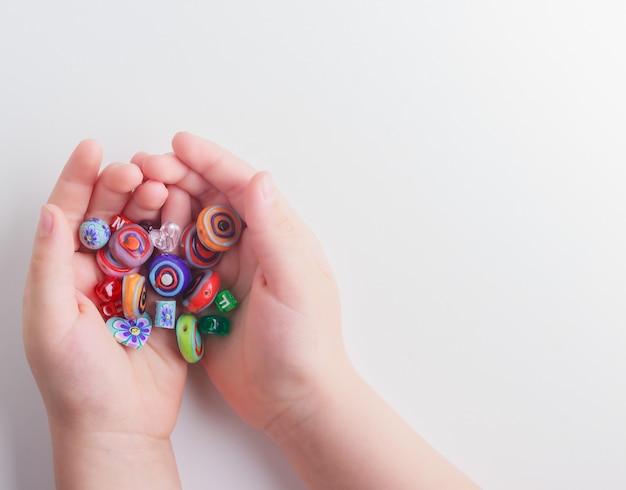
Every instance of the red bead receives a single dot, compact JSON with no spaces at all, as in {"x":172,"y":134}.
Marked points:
{"x":201,"y":292}
{"x":118,"y":221}
{"x":108,"y":289}
{"x":111,"y":309}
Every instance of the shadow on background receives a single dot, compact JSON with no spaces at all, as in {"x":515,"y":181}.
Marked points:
{"x":231,"y":452}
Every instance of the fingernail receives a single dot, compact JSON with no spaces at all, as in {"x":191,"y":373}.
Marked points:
{"x":45,"y":221}
{"x":267,"y":187}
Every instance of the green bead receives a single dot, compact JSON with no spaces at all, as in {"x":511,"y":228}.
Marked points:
{"x":214,"y":324}
{"x":225,"y":301}
{"x":190,"y":342}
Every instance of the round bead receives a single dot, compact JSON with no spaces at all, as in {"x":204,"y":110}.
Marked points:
{"x":169,"y":275}
{"x":134,"y":295}
{"x":202,"y":291}
{"x":196,"y":254}
{"x":131,"y":245}
{"x":190,"y":342}
{"x":112,"y":267}
{"x":131,"y":333}
{"x":94,"y":233}
{"x":219,"y":227}
{"x":214,"y":324}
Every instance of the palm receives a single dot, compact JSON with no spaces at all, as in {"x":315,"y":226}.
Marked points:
{"x":137,"y":390}
{"x":259,"y":367}
{"x":142,"y":387}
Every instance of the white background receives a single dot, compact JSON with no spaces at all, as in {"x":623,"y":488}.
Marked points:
{"x":462,"y":162}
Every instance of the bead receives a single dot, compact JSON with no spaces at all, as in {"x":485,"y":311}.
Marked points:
{"x":131,"y":246}
{"x":134,"y":295}
{"x":112,"y":267}
{"x":202,"y":291}
{"x":118,"y":222}
{"x":131,"y":333}
{"x":108,"y":289}
{"x":94,"y":233}
{"x":166,"y":238}
{"x":225,"y":301}
{"x":146,"y":225}
{"x":196,"y":254}
{"x":190,"y":342}
{"x":111,"y":309}
{"x":219,"y":227}
{"x":165,"y":315}
{"x":214,"y":324}
{"x":169,"y":275}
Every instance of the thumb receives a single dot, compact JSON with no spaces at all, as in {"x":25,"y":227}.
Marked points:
{"x":49,"y":295}
{"x":274,"y":234}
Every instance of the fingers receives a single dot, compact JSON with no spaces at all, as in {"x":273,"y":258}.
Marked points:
{"x":177,"y":207}
{"x":171,"y":170}
{"x":50,"y":292}
{"x":227,"y":172}
{"x":112,"y":190}
{"x":72,"y":192}
{"x":283,"y":257}
{"x":138,"y":158}
{"x":146,"y":202}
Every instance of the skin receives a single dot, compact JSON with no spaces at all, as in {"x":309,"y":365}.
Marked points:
{"x":283,"y":369}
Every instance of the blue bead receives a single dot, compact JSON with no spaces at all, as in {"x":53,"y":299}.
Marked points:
{"x":94,"y":233}
{"x":165,"y":315}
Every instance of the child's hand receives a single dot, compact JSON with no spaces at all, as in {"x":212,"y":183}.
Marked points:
{"x":286,"y":339}
{"x":100,"y":396}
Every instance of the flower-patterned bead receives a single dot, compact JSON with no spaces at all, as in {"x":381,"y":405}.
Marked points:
{"x":202,"y":291}
{"x":112,"y":267}
{"x":165,"y":315}
{"x":190,"y":342}
{"x":169,"y":275}
{"x":131,"y":245}
{"x":131,"y":333}
{"x":94,"y":233}
{"x":225,"y":301}
{"x":219,"y":227}
{"x":214,"y":324}
{"x":134,"y":295}
{"x":194,"y":252}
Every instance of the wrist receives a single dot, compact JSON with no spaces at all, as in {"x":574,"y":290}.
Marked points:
{"x":307,"y":421}
{"x":92,"y":459}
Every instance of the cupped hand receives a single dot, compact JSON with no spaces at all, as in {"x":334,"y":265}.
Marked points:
{"x":88,"y":381}
{"x":286,"y":333}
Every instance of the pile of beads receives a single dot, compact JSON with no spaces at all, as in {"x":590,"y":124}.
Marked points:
{"x":135,"y":256}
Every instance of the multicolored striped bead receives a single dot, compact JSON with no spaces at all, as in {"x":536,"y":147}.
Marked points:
{"x":219,"y":227}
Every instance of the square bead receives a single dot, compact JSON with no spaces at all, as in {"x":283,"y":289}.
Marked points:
{"x":165,"y":315}
{"x":225,"y":301}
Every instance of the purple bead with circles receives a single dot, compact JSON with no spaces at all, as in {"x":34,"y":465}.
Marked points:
{"x":112,"y":267}
{"x":94,"y":233}
{"x":131,"y":245}
{"x":169,"y":275}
